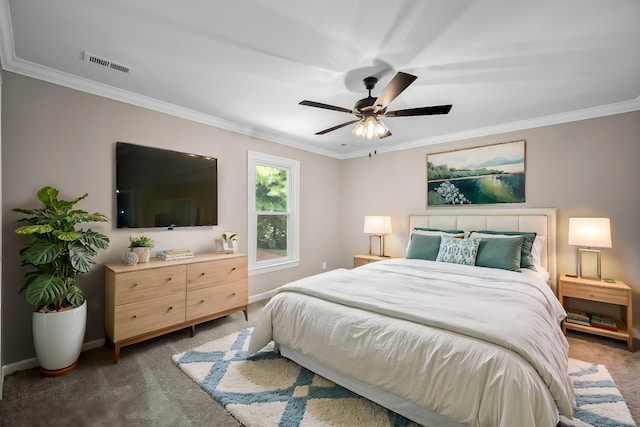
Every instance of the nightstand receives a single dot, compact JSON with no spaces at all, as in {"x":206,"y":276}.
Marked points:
{"x":362,"y":259}
{"x":616,"y":293}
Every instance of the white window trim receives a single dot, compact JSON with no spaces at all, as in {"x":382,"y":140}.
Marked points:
{"x":293,"y":199}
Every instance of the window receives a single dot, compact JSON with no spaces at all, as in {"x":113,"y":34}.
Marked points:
{"x":273,"y":213}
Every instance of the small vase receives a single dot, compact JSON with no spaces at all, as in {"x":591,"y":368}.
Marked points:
{"x":143,"y":253}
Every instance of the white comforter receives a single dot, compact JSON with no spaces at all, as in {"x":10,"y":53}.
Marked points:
{"x":480,"y":346}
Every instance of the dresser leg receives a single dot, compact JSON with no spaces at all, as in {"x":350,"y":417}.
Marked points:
{"x":193,"y":330}
{"x":246,"y":314}
{"x":116,"y":353}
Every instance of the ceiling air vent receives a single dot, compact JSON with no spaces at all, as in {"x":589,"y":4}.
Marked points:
{"x":107,"y":63}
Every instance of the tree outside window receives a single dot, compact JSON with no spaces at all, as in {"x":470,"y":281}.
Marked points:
{"x":271,"y":207}
{"x":273,"y":213}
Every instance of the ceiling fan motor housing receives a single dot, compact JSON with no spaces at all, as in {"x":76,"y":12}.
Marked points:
{"x":370,"y":82}
{"x":364,"y":104}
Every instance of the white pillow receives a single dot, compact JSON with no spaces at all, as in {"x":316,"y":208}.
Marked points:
{"x":476,"y":235}
{"x":437,"y":233}
{"x":536,"y":250}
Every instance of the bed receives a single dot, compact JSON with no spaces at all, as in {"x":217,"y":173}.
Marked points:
{"x":440,"y":343}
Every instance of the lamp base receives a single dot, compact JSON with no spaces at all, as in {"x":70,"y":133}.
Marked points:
{"x":381,"y":237}
{"x":589,"y":253}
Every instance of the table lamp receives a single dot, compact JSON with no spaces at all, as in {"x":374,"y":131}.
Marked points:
{"x":592,"y":233}
{"x":377,"y":226}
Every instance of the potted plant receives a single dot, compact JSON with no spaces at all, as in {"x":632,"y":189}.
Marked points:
{"x":230,"y":241}
{"x":58,"y":252}
{"x":141,"y":245}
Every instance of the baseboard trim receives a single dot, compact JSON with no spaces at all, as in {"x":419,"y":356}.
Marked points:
{"x":33,"y":361}
{"x":262,"y":296}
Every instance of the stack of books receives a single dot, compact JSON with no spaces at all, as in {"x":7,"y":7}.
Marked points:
{"x":173,"y":254}
{"x":578,"y":317}
{"x":603,"y":322}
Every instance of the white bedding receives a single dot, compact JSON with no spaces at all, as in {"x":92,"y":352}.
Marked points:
{"x":480,"y":346}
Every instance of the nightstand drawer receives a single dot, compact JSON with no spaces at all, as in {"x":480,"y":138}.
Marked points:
{"x":593,"y":293}
{"x":357,"y":262}
{"x":364,"y":259}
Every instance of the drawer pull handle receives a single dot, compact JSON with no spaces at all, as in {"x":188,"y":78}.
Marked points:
{"x":201,"y":301}
{"x":171,"y":308}
{"x":202,"y":274}
{"x":233,"y":294}
{"x":134,"y":285}
{"x":134,"y":316}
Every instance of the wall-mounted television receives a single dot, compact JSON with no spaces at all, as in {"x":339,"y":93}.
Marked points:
{"x":164,"y":188}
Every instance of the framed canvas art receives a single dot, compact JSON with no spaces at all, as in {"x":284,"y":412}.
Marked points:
{"x":484,"y":175}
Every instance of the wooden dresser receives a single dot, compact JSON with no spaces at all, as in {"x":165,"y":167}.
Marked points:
{"x":146,"y":300}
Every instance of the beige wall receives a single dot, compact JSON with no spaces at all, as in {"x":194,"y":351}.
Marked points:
{"x":53,"y":135}
{"x":584,"y":168}
{"x":57,"y":136}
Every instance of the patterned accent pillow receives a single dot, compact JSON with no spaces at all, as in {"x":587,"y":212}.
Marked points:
{"x":458,"y":251}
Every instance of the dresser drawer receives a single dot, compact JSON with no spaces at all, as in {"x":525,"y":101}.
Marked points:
{"x":141,"y":285}
{"x":141,"y":317}
{"x":203,"y":302}
{"x":204,"y":274}
{"x":594,"y":293}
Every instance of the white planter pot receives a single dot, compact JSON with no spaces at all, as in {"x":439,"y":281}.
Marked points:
{"x":58,"y":339}
{"x":143,"y":253}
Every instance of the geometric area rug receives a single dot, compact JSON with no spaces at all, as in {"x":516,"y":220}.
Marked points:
{"x":266,"y":389}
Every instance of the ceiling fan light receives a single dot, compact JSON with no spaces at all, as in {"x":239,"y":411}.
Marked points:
{"x":370,"y":128}
{"x":358,"y":130}
{"x":381,"y":129}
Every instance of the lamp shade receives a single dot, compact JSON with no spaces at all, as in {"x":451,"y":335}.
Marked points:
{"x":377,"y":224}
{"x":590,"y":232}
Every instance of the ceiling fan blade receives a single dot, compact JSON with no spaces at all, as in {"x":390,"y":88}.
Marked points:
{"x":325,"y":106}
{"x":384,"y":135}
{"x":400,"y":82}
{"x":421,"y":111}
{"x":331,"y":129}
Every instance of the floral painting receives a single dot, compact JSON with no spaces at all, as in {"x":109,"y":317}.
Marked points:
{"x":481,"y":175}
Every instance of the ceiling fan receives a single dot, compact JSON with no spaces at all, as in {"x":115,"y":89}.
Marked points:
{"x":367,"y":110}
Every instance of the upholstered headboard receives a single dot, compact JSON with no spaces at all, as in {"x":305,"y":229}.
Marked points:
{"x":540,"y":220}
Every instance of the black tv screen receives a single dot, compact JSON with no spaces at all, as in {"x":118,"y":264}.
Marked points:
{"x":164,"y":188}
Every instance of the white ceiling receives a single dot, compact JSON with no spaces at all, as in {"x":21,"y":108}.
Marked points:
{"x":245,"y":65}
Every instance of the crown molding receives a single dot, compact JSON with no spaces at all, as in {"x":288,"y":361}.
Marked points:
{"x":16,"y":65}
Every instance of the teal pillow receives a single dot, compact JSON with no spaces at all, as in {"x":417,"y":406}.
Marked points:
{"x":458,"y":251}
{"x":423,"y":247}
{"x":503,"y":253}
{"x":526,"y":258}
{"x":437,"y":229}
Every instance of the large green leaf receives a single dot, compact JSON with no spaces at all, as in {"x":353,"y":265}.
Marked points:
{"x":42,"y":252}
{"x":67,"y":236}
{"x":45,"y":289}
{"x":35,"y":229}
{"x":94,"y":239}
{"x":75,"y":296}
{"x":81,"y":257}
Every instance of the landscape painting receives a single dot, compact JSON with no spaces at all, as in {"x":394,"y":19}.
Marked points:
{"x":482,"y":175}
